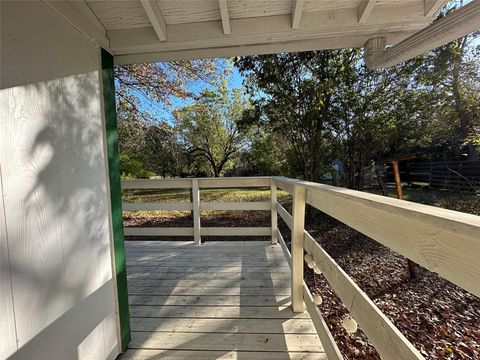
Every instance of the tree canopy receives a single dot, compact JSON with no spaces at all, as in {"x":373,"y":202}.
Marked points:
{"x":209,"y":130}
{"x":299,"y":112}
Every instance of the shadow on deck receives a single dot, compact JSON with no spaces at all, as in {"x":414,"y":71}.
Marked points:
{"x":220,"y":300}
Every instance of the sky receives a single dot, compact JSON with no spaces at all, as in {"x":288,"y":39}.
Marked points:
{"x":162,"y":113}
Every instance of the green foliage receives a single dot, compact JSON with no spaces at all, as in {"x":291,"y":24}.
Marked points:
{"x":265,"y":157}
{"x":133,"y":168}
{"x":154,"y":145}
{"x":327,"y":105}
{"x":304,"y":111}
{"x":294,"y":95}
{"x":209,"y":133}
{"x":162,"y":82}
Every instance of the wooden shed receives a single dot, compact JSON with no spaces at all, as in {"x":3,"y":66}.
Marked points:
{"x":63,"y":281}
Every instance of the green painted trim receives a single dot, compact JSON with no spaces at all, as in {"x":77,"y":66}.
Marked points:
{"x":115,"y":195}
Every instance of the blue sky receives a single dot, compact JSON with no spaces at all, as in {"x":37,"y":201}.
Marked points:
{"x":162,"y":113}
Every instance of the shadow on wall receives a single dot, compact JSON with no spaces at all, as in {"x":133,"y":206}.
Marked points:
{"x":56,"y":210}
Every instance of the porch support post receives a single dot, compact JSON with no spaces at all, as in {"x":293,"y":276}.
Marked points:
{"x":196,"y":212}
{"x":115,"y":195}
{"x":273,"y":203}
{"x":298,"y":225}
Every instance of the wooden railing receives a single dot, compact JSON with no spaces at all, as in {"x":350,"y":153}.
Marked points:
{"x":196,"y":206}
{"x":443,"y":241}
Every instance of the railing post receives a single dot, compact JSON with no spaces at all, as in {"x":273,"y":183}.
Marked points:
{"x":196,"y":212}
{"x":298,"y":224}
{"x":273,"y":197}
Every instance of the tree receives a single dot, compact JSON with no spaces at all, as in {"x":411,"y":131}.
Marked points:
{"x":265,"y":156}
{"x":451,"y":74}
{"x":145,"y":141}
{"x":161,"y":82}
{"x":209,"y":132}
{"x":296,"y":95}
{"x":376,"y":114}
{"x":153,"y":145}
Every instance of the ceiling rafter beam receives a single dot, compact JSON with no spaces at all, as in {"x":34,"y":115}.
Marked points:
{"x":457,"y":24}
{"x":249,"y":31}
{"x":80,"y":17}
{"x":225,"y":17}
{"x":432,"y":6}
{"x":254,"y":49}
{"x":297,"y":10}
{"x":156,"y":19}
{"x":364,"y":10}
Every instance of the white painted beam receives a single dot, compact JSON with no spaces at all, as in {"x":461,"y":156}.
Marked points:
{"x":79,"y":15}
{"x":321,"y":28}
{"x":453,"y":26}
{"x":432,"y":7}
{"x":364,"y":10}
{"x":225,"y":17}
{"x":156,"y":19}
{"x":297,"y":10}
{"x":259,"y":49}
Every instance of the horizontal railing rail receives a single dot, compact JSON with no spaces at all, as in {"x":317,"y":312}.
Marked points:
{"x":443,"y":241}
{"x":195,"y":205}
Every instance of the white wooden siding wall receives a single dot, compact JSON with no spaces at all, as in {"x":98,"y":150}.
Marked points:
{"x":7,"y":319}
{"x":57,"y":272}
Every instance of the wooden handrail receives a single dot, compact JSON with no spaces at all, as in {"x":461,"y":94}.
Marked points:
{"x":286,"y":217}
{"x":443,"y":241}
{"x":387,"y":339}
{"x":196,"y":206}
{"x":331,"y":348}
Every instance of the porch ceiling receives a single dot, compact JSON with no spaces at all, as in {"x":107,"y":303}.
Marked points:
{"x":153,"y":30}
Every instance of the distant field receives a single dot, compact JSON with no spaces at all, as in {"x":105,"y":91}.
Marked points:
{"x":467,"y":202}
{"x":220,"y":194}
{"x":214,"y":218}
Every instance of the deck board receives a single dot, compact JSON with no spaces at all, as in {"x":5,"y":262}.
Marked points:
{"x":144,"y":354}
{"x":221,"y":300}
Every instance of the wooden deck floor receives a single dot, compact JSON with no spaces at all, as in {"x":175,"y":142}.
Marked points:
{"x":220,"y":300}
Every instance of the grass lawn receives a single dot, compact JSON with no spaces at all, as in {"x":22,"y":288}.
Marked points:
{"x":164,"y":218}
{"x":220,"y":194}
{"x":467,"y":202}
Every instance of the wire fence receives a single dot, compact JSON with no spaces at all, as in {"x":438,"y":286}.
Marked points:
{"x":446,"y":175}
